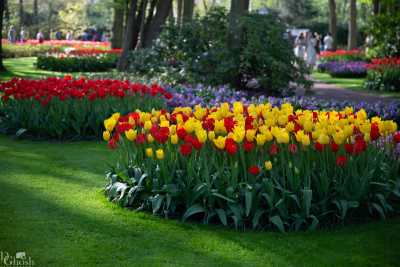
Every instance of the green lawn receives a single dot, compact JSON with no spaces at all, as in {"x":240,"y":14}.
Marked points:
{"x":24,"y":67}
{"x":51,"y":207}
{"x":355,"y":84}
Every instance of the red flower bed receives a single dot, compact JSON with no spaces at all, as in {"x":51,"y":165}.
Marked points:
{"x":341,"y":53}
{"x":65,"y":88}
{"x":72,"y":108}
{"x":378,"y":63}
{"x":94,"y":52}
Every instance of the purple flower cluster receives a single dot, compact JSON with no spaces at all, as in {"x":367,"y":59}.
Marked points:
{"x":209,"y":96}
{"x":385,"y":144}
{"x":344,"y":69}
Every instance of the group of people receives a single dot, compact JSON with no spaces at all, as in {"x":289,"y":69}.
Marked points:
{"x":13,"y":36}
{"x":309,"y":45}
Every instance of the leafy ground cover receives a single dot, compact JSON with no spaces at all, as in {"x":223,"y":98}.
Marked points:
{"x":52,"y":208}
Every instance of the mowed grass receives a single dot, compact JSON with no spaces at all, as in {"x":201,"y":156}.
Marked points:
{"x":355,"y":84}
{"x":24,"y":67}
{"x":52,"y":207}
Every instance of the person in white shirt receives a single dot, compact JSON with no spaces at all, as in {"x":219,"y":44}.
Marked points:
{"x":328,"y":42}
{"x":300,"y":45}
{"x":311,"y":52}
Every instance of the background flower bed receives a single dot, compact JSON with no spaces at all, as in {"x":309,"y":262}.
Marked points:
{"x":31,"y":48}
{"x":344,"y":69}
{"x":384,"y":74}
{"x":254,"y":167}
{"x":205,"y":95}
{"x":67,"y":108}
{"x":342,"y":55}
{"x":79,"y":61}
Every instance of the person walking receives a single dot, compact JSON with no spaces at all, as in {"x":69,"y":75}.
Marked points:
{"x":311,"y":52}
{"x":328,"y":41}
{"x":22,"y":35}
{"x":40,"y":37}
{"x":12,"y":35}
{"x":300,"y":44}
{"x":69,"y":36}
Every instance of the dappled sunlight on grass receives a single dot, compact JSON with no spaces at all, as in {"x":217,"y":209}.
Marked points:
{"x":53,"y":208}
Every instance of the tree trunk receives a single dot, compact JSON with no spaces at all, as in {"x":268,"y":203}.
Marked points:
{"x":35,"y":16}
{"x":155,"y":26}
{"x":2,"y":5}
{"x":21,"y":14}
{"x":128,"y":40}
{"x":333,"y":23}
{"x":238,"y":9}
{"x":188,"y":9}
{"x":118,"y":25}
{"x":352,"y":41}
{"x":179,"y":12}
{"x":149,"y":19}
{"x":140,"y":25}
{"x":375,"y":7}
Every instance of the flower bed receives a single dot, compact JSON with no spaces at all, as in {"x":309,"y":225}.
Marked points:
{"x":384,"y":74}
{"x":68,"y":108}
{"x":32,"y":48}
{"x":344,"y":69}
{"x":79,"y":62}
{"x":342,"y":55}
{"x":254,"y":166}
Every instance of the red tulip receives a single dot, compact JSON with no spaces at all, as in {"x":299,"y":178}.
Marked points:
{"x":254,"y":170}
{"x":341,"y":161}
{"x":273,"y":150}
{"x":248,"y":146}
{"x":186,"y":149}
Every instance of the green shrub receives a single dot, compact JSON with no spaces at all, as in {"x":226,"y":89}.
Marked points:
{"x":199,"y":52}
{"x":78,"y":63}
{"x":383,"y":79}
{"x":385,"y":29}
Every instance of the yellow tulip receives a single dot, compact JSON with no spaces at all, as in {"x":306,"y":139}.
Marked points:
{"x":211,"y":135}
{"x":149,"y":152}
{"x":160,"y":153}
{"x":268,"y":165}
{"x":260,"y":139}
{"x":174,"y":139}
{"x":150,"y":138}
{"x":238,"y":134}
{"x":202,"y":136}
{"x":106,"y":135}
{"x":250,"y":135}
{"x":220,"y":142}
{"x":131,"y":134}
{"x":323,"y":139}
{"x":147,"y":125}
{"x":109,"y":124}
{"x":305,"y":140}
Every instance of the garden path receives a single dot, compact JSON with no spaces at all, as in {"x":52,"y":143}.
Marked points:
{"x":334,"y":92}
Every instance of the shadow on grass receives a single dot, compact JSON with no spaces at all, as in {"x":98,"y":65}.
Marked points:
{"x":51,"y":206}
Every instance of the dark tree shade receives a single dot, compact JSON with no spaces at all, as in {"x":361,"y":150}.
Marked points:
{"x":154,"y":26}
{"x":118,"y":24}
{"x":128,"y":40}
{"x":188,"y":8}
{"x":333,"y":22}
{"x":2,"y":5}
